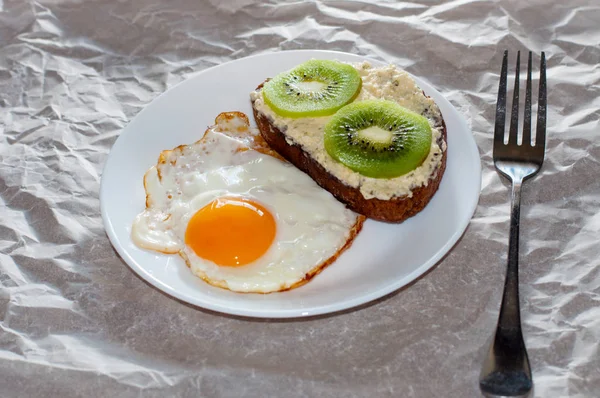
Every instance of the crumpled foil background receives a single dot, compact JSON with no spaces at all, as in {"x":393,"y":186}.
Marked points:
{"x":75,"y":321}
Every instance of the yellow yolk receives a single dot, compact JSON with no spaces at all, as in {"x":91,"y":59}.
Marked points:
{"x":231,"y":231}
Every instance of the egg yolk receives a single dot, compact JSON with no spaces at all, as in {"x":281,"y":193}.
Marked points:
{"x":231,"y":232}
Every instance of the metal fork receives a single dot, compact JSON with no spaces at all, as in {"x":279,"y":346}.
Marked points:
{"x":506,"y":370}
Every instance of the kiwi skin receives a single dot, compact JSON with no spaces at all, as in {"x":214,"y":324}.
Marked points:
{"x":343,"y":86}
{"x":394,"y":210}
{"x":410,"y":139}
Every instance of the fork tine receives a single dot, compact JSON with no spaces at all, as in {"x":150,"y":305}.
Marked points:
{"x":540,"y":135}
{"x":527,"y":117}
{"x":501,"y":104}
{"x":514,"y":114}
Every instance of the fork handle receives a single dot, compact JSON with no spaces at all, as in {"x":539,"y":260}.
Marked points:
{"x":510,"y":317}
{"x":509,"y":348}
{"x":507,"y":371}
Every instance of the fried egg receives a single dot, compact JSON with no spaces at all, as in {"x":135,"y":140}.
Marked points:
{"x":240,"y":216}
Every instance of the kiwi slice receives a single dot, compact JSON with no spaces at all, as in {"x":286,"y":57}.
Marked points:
{"x":314,"y":88}
{"x":378,"y":138}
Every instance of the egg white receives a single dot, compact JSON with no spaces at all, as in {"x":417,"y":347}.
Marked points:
{"x":312,"y":226}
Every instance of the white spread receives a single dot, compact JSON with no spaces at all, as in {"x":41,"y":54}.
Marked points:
{"x":388,"y":83}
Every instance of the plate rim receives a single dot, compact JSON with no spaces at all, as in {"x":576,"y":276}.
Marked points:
{"x":331,"y":308}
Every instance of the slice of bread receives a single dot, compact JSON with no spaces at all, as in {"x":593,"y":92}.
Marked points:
{"x":395,"y":209}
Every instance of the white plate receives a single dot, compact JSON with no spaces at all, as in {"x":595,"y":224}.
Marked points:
{"x":383,"y":258}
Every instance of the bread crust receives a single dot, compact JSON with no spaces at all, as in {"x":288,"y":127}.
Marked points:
{"x":396,"y":209}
